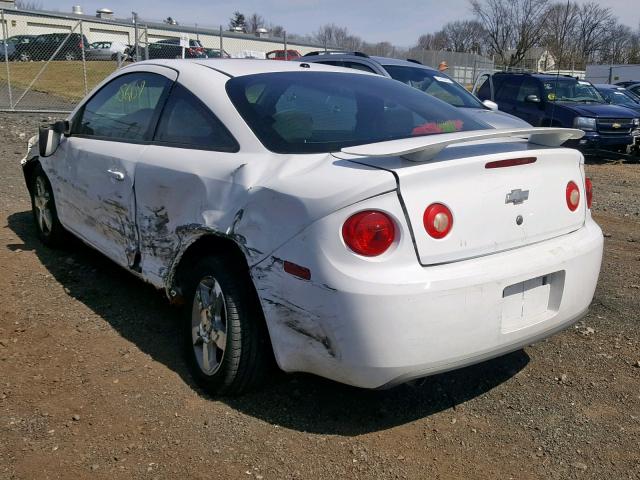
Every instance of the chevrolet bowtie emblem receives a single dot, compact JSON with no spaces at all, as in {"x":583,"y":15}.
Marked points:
{"x":616,"y":125}
{"x":517,"y":196}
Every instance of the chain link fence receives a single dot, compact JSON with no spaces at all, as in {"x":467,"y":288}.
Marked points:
{"x":49,"y":62}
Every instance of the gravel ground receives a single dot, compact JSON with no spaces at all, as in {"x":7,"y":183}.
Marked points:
{"x":92,"y":384}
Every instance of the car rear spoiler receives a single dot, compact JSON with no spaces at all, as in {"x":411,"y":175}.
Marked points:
{"x":425,"y":148}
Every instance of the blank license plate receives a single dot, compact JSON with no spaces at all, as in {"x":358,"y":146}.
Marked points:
{"x":525,"y":304}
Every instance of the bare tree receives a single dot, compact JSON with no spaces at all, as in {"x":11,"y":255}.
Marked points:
{"x":463,"y":36}
{"x":254,"y":22}
{"x":331,"y":35}
{"x":594,"y":22}
{"x":560,"y":32}
{"x":513,"y":27}
{"x":28,"y":5}
{"x":433,"y":41}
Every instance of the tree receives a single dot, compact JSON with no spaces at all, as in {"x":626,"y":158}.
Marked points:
{"x":559,"y":36}
{"x":28,"y":5}
{"x":254,"y":22}
{"x":331,"y":35}
{"x":237,"y":21}
{"x":513,"y":27}
{"x":463,"y":36}
{"x":433,"y":41}
{"x":594,"y":24}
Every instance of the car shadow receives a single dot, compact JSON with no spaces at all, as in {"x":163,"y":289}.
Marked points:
{"x":300,"y":402}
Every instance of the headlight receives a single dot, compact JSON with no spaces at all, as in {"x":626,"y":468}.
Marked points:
{"x":584,"y":123}
{"x":636,"y":122}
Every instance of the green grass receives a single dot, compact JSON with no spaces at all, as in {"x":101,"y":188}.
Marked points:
{"x":60,"y":78}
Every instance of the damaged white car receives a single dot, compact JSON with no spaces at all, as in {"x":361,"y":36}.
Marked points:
{"x":344,"y":223}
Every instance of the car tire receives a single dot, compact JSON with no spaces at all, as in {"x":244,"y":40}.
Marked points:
{"x":24,"y":57}
{"x":45,"y":216}
{"x":225,"y":338}
{"x":70,"y":57}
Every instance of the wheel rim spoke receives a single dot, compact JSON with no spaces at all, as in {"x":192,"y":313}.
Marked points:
{"x":208,"y":325}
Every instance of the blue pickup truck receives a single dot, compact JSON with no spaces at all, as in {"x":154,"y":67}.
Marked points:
{"x":562,"y":101}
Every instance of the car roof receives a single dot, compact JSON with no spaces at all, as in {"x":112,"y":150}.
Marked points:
{"x":237,"y":67}
{"x":360,"y":56}
{"x":403,"y":63}
{"x":608,"y":86}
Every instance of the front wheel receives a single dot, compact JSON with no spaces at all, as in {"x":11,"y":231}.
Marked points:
{"x":50,"y":230}
{"x":225,"y":339}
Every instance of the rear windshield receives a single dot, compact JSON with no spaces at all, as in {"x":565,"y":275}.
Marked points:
{"x":313,"y":112}
{"x":434,"y":83}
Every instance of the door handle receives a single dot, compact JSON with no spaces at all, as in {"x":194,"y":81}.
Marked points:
{"x":116,"y":174}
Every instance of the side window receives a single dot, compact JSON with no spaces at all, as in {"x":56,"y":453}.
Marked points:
{"x":529,"y":86}
{"x":508,"y":90}
{"x":124,"y":109}
{"x":484,"y":88}
{"x":358,"y":66}
{"x":187,"y":122}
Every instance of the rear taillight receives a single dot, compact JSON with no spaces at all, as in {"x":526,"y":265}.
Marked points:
{"x":437,"y":220}
{"x":588,"y":191}
{"x":369,"y":233}
{"x":573,"y":196}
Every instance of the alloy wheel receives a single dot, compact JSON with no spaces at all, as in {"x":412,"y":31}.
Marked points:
{"x":209,"y":325}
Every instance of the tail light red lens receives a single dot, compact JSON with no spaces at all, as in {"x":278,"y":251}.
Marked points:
{"x":573,"y":196}
{"x":369,"y":233}
{"x":588,"y":191}
{"x":438,"y":220}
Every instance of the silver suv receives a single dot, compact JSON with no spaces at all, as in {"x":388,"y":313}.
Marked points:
{"x":424,"y":78}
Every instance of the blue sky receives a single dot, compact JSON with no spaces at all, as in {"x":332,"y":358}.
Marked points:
{"x":400,"y":22}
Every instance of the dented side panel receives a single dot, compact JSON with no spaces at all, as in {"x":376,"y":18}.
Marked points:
{"x":259,"y":202}
{"x":91,"y":201}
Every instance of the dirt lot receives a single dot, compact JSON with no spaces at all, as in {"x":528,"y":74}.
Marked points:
{"x":92,"y":384}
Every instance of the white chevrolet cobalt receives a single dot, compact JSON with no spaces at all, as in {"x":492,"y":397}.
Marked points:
{"x":344,"y":223}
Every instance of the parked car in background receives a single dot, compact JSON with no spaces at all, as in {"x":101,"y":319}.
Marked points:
{"x":65,"y":46}
{"x":171,"y":48}
{"x":105,"y":50}
{"x":283,"y":55}
{"x":616,"y":95}
{"x":557,"y":100}
{"x":216,"y":53}
{"x":634,"y":88}
{"x":426,"y":79}
{"x":627,"y":83}
{"x":11,"y":43}
{"x":344,"y":223}
{"x":7,"y":51}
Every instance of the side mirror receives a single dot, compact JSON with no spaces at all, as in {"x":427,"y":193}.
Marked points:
{"x":490,"y":105}
{"x":49,"y":137}
{"x":532,"y":99}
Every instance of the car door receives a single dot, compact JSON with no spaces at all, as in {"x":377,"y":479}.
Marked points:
{"x":96,"y":174}
{"x":526,"y":107}
{"x":187,"y":177}
{"x":506,"y":92}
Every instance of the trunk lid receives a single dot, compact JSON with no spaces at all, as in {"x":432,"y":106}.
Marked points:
{"x":494,"y":209}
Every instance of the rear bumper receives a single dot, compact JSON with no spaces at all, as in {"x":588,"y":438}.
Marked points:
{"x":411,"y":323}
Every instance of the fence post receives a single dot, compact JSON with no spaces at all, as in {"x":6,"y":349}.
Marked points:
{"x":84,"y":61}
{"x":134,"y":15}
{"x":221,"y":49}
{"x":146,"y":42}
{"x":286,"y":57}
{"x":5,"y":35}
